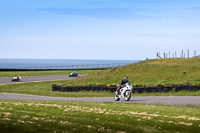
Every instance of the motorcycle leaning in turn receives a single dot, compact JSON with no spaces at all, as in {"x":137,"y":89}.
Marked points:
{"x":124,"y":92}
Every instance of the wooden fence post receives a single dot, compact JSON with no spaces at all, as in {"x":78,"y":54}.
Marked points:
{"x":194,"y":54}
{"x":182,"y":53}
{"x":157,"y":56}
{"x":175,"y":55}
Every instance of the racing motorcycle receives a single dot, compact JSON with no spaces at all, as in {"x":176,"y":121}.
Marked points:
{"x":124,"y":92}
{"x":16,"y":79}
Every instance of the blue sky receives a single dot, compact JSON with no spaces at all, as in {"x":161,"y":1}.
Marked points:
{"x":98,"y":29}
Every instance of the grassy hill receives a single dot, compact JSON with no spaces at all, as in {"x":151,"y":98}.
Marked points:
{"x":149,"y":72}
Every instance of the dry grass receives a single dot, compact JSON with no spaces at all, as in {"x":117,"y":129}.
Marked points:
{"x":34,"y":116}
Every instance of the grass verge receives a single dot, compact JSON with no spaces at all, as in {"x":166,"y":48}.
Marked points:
{"x":45,"y":89}
{"x":34,"y":116}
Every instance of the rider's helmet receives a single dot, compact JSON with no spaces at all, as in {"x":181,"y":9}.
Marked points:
{"x":125,"y":79}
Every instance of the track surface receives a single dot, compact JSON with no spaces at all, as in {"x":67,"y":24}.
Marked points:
{"x":37,"y":78}
{"x":169,"y":100}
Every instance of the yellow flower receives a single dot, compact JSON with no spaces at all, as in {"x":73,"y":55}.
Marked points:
{"x":108,"y":85}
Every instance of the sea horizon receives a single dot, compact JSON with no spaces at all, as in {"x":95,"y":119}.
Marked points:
{"x":17,"y":63}
{"x":62,"y":59}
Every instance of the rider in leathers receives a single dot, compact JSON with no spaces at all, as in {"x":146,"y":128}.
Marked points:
{"x":122,"y":83}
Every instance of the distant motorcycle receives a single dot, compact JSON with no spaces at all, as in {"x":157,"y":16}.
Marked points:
{"x":124,"y":92}
{"x":73,"y":74}
{"x":16,"y":79}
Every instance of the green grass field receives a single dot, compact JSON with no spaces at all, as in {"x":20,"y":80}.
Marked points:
{"x":58,"y":117}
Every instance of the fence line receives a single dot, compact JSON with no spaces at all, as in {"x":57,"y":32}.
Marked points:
{"x":167,"y":55}
{"x":86,"y":66}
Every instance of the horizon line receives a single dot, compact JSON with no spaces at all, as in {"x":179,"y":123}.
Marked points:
{"x":67,"y":59}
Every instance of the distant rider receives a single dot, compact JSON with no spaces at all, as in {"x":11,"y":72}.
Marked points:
{"x":121,"y":85}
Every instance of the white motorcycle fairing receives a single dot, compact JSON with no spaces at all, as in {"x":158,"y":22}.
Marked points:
{"x":125,"y":92}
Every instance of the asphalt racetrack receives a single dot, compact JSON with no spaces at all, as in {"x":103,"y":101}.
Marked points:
{"x":168,"y":100}
{"x":27,"y":79}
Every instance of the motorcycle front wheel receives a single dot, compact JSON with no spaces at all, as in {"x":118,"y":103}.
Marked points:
{"x":117,"y":98}
{"x":127,"y":95}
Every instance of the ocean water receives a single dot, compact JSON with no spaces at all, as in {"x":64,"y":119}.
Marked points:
{"x":60,"y":63}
